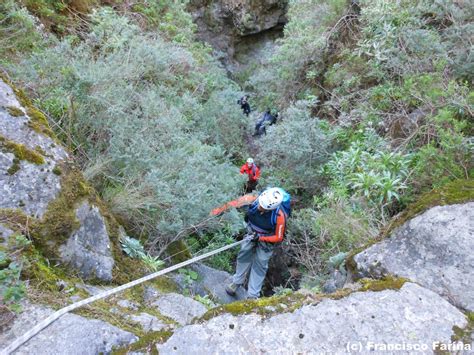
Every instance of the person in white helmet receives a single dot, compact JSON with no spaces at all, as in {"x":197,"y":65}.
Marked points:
{"x":253,"y":172}
{"x":266,"y":222}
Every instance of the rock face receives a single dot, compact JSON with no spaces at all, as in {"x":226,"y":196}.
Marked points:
{"x":24,"y":184}
{"x":224,"y":23}
{"x":88,"y":248}
{"x":148,"y":322}
{"x":412,"y":315}
{"x":31,"y":179}
{"x":179,"y":308}
{"x":71,"y":334}
{"x":433,"y":249}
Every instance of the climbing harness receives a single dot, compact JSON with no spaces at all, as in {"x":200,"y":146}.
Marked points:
{"x":40,"y":326}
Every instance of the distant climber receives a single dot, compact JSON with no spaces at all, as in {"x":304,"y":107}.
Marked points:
{"x":253,"y":172}
{"x":244,"y":104}
{"x":266,"y":222}
{"x":268,"y":118}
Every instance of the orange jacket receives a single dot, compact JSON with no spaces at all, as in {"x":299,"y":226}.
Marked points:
{"x":279,"y":230}
{"x":253,"y":171}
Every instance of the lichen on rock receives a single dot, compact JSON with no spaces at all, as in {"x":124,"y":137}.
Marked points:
{"x":433,"y":249}
{"x":412,"y":315}
{"x":88,"y":249}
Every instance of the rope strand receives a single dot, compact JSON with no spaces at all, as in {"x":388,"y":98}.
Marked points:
{"x":46,"y":322}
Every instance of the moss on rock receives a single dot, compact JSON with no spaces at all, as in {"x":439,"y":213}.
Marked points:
{"x":263,"y":306}
{"x":15,"y":111}
{"x":454,"y":192}
{"x":21,"y":152}
{"x":146,"y":344}
{"x":387,"y":283}
{"x":38,"y":120}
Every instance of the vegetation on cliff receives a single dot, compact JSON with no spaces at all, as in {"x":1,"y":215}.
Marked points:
{"x":375,"y":100}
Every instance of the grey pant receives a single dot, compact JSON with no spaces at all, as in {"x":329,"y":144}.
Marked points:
{"x":253,"y":257}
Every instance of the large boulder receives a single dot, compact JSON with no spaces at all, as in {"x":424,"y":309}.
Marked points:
{"x":88,"y":249}
{"x":42,"y":194}
{"x":70,"y":334}
{"x":179,"y":308}
{"x":433,"y":249}
{"x":361,"y":322}
{"x":224,"y":23}
{"x":27,"y":159}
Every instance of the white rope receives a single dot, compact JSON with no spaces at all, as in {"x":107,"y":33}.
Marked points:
{"x":40,"y":326}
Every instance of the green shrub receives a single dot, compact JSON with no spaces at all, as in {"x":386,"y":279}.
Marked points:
{"x":295,"y":150}
{"x":12,"y":288}
{"x":17,"y":30}
{"x":316,"y":235}
{"x":154,"y":121}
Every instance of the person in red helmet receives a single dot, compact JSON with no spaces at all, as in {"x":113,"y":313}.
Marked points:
{"x":253,"y":171}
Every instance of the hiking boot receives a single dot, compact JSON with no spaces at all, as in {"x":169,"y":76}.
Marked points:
{"x":231,"y":289}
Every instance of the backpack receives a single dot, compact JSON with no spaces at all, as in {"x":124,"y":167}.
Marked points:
{"x":285,"y":206}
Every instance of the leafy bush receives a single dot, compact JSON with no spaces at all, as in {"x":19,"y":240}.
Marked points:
{"x":12,"y":288}
{"x":154,"y":121}
{"x":134,"y":249}
{"x":295,"y":150}
{"x":314,"y":236}
{"x":370,"y":170}
{"x":17,"y":30}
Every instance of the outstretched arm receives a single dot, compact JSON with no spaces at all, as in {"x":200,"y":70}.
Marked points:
{"x":237,"y":203}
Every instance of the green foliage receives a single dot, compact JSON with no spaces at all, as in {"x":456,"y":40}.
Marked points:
{"x":170,"y":18}
{"x":132,"y":247}
{"x":17,"y":30}
{"x":369,"y":169}
{"x":152,"y":263}
{"x":155,"y":129}
{"x":207,"y":242}
{"x":189,"y":277}
{"x":12,"y":288}
{"x":447,"y":156}
{"x":315,"y":236}
{"x":404,"y":37}
{"x":205,"y":301}
{"x":295,"y":150}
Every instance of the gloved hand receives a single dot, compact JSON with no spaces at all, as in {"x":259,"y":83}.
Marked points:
{"x":251,"y":237}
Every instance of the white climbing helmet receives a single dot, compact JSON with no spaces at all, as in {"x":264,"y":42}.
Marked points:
{"x":249,"y":161}
{"x":270,"y":199}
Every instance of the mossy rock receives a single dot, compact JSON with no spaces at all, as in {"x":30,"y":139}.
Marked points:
{"x":454,"y":192}
{"x":463,"y":335}
{"x":146,"y":343}
{"x":21,"y":152}
{"x":15,"y":111}
{"x":387,"y":283}
{"x":38,"y":120}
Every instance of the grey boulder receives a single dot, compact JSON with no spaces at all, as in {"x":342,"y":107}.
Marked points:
{"x":148,"y":322}
{"x":88,"y":249}
{"x":179,"y":308}
{"x":433,"y":249}
{"x":70,"y":334}
{"x":361,"y":322}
